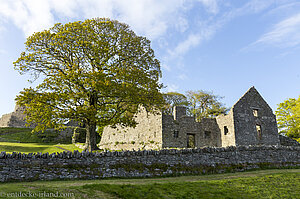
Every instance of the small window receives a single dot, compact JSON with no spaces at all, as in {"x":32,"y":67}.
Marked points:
{"x":175,"y":134}
{"x":207,"y":134}
{"x":258,"y":129}
{"x":255,"y":112}
{"x":225,"y":130}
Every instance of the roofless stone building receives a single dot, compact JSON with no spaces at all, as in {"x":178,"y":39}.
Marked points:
{"x":249,"y":122}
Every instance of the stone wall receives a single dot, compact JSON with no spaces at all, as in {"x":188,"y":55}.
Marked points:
{"x":287,"y":141}
{"x":14,"y":119}
{"x":67,"y":165}
{"x":226,"y":122}
{"x":178,"y":127}
{"x":250,"y":113}
{"x":146,"y":135}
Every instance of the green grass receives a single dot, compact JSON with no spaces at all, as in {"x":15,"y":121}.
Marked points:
{"x":10,"y":147}
{"x":284,"y":183}
{"x":25,"y":135}
{"x":10,"y":134}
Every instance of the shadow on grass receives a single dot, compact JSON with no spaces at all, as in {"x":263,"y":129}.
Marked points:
{"x":24,"y":149}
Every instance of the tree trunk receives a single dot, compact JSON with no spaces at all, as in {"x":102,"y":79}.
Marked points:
{"x":90,"y":140}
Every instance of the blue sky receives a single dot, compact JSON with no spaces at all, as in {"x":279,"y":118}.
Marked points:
{"x":215,"y":45}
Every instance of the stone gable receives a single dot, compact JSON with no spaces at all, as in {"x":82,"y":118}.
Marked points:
{"x":249,"y":122}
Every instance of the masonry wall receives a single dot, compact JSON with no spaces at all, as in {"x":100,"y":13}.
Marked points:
{"x":226,"y":121}
{"x":245,"y":122}
{"x":146,"y":135}
{"x":14,"y":119}
{"x":67,"y":165}
{"x":206,"y":132}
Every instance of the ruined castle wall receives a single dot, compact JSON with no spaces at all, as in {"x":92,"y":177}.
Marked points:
{"x":247,"y":122}
{"x":67,"y":165}
{"x":146,"y":135}
{"x":206,"y":132}
{"x":14,"y":119}
{"x":183,"y":126}
{"x":210,"y":133}
{"x":226,"y":122}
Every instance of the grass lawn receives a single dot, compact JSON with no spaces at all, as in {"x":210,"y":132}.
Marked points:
{"x":10,"y":147}
{"x":284,"y":183}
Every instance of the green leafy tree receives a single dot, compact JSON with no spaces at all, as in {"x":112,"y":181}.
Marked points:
{"x":96,"y":72}
{"x":288,"y":117}
{"x":174,"y":99}
{"x":203,"y":104}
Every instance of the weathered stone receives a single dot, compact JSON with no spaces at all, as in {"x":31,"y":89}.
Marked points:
{"x":146,"y":163}
{"x":286,"y":141}
{"x":249,"y":122}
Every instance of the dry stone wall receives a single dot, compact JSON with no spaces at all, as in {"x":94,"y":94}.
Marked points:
{"x":287,"y":141}
{"x":85,"y":165}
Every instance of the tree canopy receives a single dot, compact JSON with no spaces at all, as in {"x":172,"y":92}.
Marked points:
{"x":96,"y":72}
{"x":288,"y":117}
{"x":200,"y":104}
{"x":174,"y":99}
{"x":204,"y":104}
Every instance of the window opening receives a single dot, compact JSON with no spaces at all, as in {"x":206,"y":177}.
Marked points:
{"x":258,"y":129}
{"x":191,"y":141}
{"x":255,"y":112}
{"x":207,"y":134}
{"x":175,"y":133}
{"x":225,"y":130}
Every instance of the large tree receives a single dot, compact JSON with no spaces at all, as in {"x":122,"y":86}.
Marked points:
{"x":174,"y":99}
{"x":96,"y":72}
{"x":204,"y":104}
{"x":288,"y":117}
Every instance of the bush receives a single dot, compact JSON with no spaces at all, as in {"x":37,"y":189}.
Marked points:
{"x":79,"y":135}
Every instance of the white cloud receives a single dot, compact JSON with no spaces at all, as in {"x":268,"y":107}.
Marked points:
{"x":182,"y":77}
{"x":151,"y":18}
{"x":182,"y":24}
{"x":166,"y":67}
{"x":148,"y":17}
{"x":172,"y":87}
{"x":286,"y":33}
{"x":211,"y":5}
{"x":29,"y":16}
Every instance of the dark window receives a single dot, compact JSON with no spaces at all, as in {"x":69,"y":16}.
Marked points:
{"x":258,"y":129}
{"x":225,"y":130}
{"x":175,"y":134}
{"x":207,"y":134}
{"x":191,"y":141}
{"x":255,"y":112}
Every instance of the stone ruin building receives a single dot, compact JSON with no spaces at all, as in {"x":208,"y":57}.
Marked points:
{"x":14,"y":119}
{"x":249,"y":122}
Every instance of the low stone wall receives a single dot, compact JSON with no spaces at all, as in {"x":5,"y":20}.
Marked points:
{"x":85,"y":165}
{"x":287,"y":141}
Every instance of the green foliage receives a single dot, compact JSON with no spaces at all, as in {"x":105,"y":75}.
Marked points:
{"x":173,"y":99}
{"x":203,"y":104}
{"x":79,"y":135}
{"x":95,"y":72}
{"x":288,"y":118}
